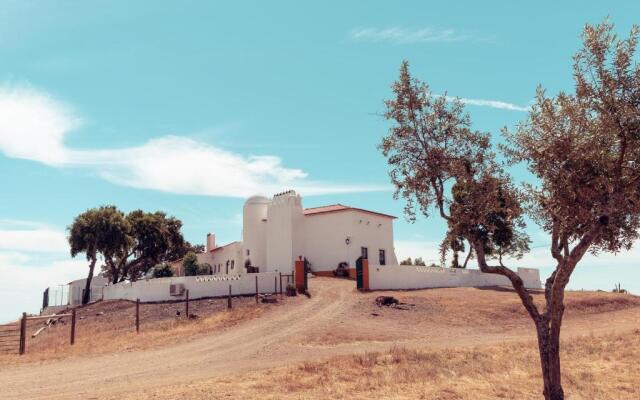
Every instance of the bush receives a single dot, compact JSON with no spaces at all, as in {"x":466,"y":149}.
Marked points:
{"x":205,"y":269}
{"x":190,"y":264}
{"x":162,"y":270}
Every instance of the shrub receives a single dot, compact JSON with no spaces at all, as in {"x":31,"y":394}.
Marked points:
{"x":190,"y":264}
{"x":162,"y":270}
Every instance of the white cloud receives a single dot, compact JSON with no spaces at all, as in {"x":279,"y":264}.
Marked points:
{"x":33,"y":125}
{"x":401,"y":35}
{"x":489,"y":103}
{"x":37,"y":240}
{"x":26,"y":276}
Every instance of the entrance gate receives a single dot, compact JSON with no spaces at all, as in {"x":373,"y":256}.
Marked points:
{"x":362,"y":274}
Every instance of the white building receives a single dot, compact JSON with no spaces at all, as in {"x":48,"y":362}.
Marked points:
{"x":277,"y":231}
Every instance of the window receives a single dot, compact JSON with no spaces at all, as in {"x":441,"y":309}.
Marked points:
{"x":227,"y":268}
{"x":233,"y":263}
{"x":364,"y":252}
{"x":383,"y":258}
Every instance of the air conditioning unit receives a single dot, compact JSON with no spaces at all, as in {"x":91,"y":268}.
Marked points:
{"x":176,"y":289}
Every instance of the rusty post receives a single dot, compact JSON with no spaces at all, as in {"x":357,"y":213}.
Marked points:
{"x":229,"y":298}
{"x":256,"y":289}
{"x":137,"y":315}
{"x":73,"y":326}
{"x":23,"y":334}
{"x":187,"y":304}
{"x":275,"y":285}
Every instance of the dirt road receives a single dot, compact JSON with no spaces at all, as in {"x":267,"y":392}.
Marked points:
{"x":335,"y":320}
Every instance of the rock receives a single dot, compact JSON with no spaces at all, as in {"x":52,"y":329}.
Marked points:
{"x":386,"y":301}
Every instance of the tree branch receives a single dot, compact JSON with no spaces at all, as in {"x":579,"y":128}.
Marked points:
{"x":516,"y":281}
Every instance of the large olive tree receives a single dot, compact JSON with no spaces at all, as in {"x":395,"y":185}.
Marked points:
{"x":101,"y":231}
{"x":584,"y":149}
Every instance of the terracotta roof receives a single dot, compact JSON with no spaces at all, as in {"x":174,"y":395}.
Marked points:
{"x":340,"y":207}
{"x":222,"y":247}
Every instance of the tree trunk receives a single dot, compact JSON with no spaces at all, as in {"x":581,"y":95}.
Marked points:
{"x":86,"y":296}
{"x":549,"y":348}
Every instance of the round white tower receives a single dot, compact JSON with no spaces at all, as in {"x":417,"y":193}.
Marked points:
{"x":254,"y":231}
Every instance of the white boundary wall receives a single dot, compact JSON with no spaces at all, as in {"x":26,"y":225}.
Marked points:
{"x":383,"y":277}
{"x":157,"y":289}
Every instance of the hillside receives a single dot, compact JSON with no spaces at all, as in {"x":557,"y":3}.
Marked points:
{"x":424,"y":345}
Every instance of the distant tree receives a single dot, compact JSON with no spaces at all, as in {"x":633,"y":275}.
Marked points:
{"x":162,"y":270}
{"x":582,"y":147}
{"x":190,"y":264}
{"x":406,"y":261}
{"x":97,"y":231}
{"x":418,"y":262}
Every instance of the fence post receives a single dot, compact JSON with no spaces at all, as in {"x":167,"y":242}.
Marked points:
{"x":187,"y":304}
{"x":275,"y":285}
{"x":73,"y":326}
{"x":137,"y":315}
{"x":256,"y":289}
{"x":23,"y":334}
{"x":280,"y":284}
{"x":229,"y":298}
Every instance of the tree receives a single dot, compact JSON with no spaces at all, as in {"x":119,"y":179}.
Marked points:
{"x":406,"y":261}
{"x":152,"y":238}
{"x":418,"y":262}
{"x":583,"y":148}
{"x":205,"y":269}
{"x":190,"y":264}
{"x":162,"y":270}
{"x":97,"y":231}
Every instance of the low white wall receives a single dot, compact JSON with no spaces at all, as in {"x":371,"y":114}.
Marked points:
{"x":199,"y":286}
{"x":411,"y":277}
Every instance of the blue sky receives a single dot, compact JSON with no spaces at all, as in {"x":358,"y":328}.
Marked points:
{"x":188,"y":107}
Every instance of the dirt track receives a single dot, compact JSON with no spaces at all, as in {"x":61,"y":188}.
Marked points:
{"x":336,"y":320}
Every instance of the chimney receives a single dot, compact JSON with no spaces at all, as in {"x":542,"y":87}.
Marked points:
{"x":211,"y":241}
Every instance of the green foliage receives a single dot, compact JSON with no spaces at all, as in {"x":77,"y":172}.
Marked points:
{"x":190,"y":264}
{"x":419,"y":262}
{"x":162,"y":270}
{"x":205,"y":269}
{"x":406,"y":261}
{"x":130,"y":245}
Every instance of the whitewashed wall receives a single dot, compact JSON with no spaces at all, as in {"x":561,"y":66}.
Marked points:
{"x":198,"y":286}
{"x":412,"y":277}
{"x":325,"y":235}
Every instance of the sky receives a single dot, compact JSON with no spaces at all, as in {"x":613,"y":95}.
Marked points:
{"x":190,"y":107}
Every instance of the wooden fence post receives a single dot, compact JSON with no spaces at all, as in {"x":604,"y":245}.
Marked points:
{"x":187,"y":304}
{"x":23,"y":334}
{"x":256,"y":289}
{"x":137,"y":315}
{"x":229,"y":298}
{"x":275,"y":285}
{"x":73,"y":326}
{"x":280,"y":284}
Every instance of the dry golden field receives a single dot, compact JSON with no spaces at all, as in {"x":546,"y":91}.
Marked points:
{"x":459,"y":343}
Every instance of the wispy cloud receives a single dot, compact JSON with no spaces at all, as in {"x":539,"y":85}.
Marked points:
{"x":489,"y":103}
{"x":402,"y":35}
{"x":33,"y":126}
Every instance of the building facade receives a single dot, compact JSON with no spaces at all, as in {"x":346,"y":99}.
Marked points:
{"x":278,"y":230}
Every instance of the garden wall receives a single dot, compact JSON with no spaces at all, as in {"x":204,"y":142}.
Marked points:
{"x":413,"y":277}
{"x":158,"y":289}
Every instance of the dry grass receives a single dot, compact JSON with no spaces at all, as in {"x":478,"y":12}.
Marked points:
{"x":605,"y":367}
{"x":109,"y":327}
